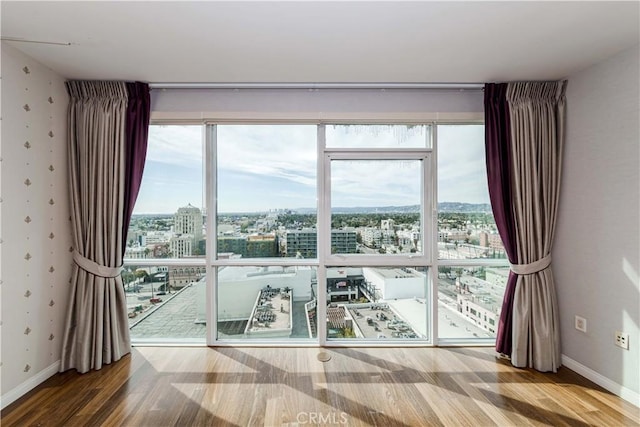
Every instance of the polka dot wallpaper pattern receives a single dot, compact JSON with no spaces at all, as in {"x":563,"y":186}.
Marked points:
{"x":35,"y":239}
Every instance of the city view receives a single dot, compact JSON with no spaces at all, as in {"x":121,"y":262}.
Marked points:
{"x":469,"y":298}
{"x":375,"y":206}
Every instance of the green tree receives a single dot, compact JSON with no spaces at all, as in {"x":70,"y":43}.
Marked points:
{"x":142,"y":274}
{"x":127,"y":277}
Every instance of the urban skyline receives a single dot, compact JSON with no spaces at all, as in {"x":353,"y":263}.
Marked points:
{"x":274,"y":233}
{"x":443,"y":207}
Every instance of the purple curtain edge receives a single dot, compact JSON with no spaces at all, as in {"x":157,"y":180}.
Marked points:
{"x":504,"y":336}
{"x":498,"y":162}
{"x":137,"y":129}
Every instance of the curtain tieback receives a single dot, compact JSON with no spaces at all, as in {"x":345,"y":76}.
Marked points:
{"x":531,"y":268}
{"x":94,"y":268}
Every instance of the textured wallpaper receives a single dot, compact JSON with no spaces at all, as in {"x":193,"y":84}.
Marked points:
{"x":35,"y":239}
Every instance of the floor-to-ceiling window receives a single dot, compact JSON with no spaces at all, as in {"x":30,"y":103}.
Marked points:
{"x":265,"y":270}
{"x":330,"y":233}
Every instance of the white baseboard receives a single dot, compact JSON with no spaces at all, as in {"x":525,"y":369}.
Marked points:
{"x":612,"y":386}
{"x":19,"y":391}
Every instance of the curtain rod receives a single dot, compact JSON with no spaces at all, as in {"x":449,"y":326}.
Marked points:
{"x":20,"y":40}
{"x":452,"y":86}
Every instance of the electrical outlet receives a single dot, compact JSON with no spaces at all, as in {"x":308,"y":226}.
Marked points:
{"x":622,"y":340}
{"x":581,"y":324}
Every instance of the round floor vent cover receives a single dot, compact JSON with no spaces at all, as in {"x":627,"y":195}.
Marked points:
{"x":324,"y":357}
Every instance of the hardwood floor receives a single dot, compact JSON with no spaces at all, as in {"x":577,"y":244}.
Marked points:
{"x":164,"y":386}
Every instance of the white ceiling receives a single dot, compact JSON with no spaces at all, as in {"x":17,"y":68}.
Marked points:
{"x":321,"y":42}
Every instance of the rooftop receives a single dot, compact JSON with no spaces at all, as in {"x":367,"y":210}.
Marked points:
{"x":397,"y":273}
{"x":271,"y":312}
{"x":176,"y":317}
{"x":381,"y":321}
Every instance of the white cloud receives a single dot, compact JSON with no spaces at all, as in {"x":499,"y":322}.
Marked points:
{"x":273,"y":166}
{"x":461,"y":164}
{"x":375,"y":182}
{"x":286,"y":151}
{"x":175,"y":145}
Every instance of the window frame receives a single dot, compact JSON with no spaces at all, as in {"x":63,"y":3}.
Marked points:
{"x":329,"y":260}
{"x":429,"y":229}
{"x":423,"y":259}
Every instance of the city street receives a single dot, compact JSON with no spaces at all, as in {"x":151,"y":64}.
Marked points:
{"x":139,"y":295}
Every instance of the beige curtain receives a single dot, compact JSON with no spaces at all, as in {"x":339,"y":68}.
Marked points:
{"x":97,"y":331}
{"x":537,"y":114}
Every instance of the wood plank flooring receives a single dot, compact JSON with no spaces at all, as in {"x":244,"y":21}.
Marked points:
{"x":200,"y":386}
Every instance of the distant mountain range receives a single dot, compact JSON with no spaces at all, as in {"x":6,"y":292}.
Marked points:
{"x":464,"y":207}
{"x":446,"y":207}
{"x":449,"y":207}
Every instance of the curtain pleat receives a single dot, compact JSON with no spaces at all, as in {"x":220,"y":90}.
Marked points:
{"x":537,"y":111}
{"x":97,"y":331}
{"x":524,"y":159}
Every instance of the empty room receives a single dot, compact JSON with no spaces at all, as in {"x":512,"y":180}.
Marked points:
{"x":288,"y":213}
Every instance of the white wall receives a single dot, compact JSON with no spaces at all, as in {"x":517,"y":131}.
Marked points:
{"x":391,"y":288}
{"x":237,"y":295}
{"x":35,"y":257}
{"x":596,"y":256}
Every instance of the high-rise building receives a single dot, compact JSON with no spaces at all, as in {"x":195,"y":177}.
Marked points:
{"x":301,"y":242}
{"x":188,"y":220}
{"x":187,"y":228}
{"x":304,"y":242}
{"x":343,"y":242}
{"x":254,"y":246}
{"x":262,"y":246}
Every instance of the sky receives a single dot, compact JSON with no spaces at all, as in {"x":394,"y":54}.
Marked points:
{"x":259,"y":169}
